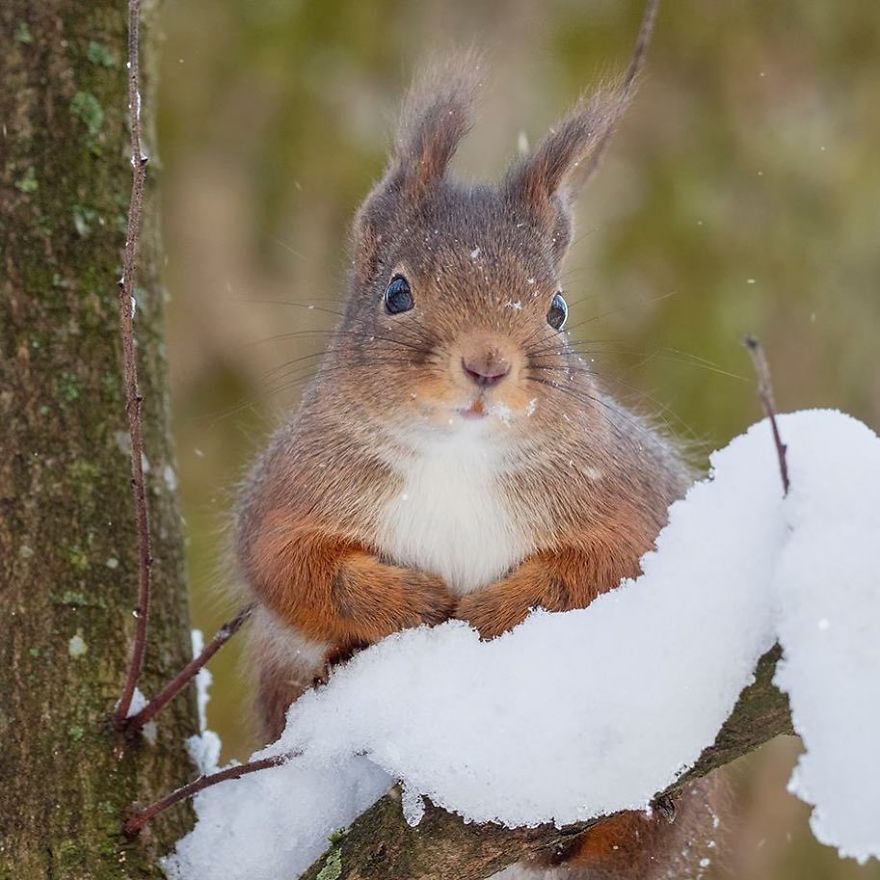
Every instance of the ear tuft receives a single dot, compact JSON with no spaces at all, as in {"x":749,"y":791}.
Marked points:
{"x":545,"y":183}
{"x":565,"y":157}
{"x":436,"y":116}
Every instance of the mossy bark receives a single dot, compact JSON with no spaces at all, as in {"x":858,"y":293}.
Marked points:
{"x":380,"y":844}
{"x":68,"y":568}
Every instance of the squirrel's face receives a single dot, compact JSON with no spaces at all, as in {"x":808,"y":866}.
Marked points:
{"x":459,"y":319}
{"x":455,"y":315}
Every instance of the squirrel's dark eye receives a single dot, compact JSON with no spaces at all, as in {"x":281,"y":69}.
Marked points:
{"x":558,"y":314}
{"x":398,"y":296}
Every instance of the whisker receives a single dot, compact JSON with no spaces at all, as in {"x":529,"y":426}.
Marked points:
{"x":311,"y":307}
{"x":314,"y":370}
{"x":660,"y":410}
{"x":581,"y":396}
{"x":291,"y":250}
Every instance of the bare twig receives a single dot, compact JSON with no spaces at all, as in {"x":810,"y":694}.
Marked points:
{"x":188,"y":673}
{"x":630,"y":81}
{"x":133,"y":399}
{"x":136,"y":821}
{"x":765,"y":392}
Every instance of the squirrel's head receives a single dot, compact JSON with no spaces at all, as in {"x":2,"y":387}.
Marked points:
{"x":456,"y":314}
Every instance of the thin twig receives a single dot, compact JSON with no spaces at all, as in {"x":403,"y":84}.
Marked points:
{"x":133,"y":399}
{"x":189,"y":672}
{"x":136,"y":822}
{"x":765,"y":392}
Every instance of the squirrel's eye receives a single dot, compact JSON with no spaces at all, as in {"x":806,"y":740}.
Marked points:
{"x":558,"y":314}
{"x":398,"y":296}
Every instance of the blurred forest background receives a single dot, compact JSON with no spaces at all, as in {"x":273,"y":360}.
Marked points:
{"x":741,"y":194}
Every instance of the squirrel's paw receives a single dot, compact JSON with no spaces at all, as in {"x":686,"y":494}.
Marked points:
{"x":434,"y":603}
{"x":491,"y":612}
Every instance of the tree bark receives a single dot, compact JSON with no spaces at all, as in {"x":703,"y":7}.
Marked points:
{"x":380,"y":844}
{"x":68,"y":561}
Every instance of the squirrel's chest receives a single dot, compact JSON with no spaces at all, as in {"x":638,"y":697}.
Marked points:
{"x":451,"y":517}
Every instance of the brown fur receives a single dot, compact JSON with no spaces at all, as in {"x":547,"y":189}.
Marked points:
{"x":664,"y":844}
{"x":585,"y":481}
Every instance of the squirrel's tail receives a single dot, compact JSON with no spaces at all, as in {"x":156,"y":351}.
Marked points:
{"x":637,"y":846}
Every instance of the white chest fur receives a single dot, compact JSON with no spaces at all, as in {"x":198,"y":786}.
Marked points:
{"x":451,"y":517}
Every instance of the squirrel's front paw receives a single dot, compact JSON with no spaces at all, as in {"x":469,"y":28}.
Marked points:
{"x":434,"y":602}
{"x":490,"y":612}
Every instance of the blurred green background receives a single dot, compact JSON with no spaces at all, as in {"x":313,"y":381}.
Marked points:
{"x":741,"y":194}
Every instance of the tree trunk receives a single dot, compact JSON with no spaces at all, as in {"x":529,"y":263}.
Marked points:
{"x":68,"y":562}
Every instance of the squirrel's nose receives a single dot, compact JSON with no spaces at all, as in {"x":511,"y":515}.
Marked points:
{"x":486,"y":372}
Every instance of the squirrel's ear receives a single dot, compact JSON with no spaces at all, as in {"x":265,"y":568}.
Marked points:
{"x":545,"y":183}
{"x":436,"y":115}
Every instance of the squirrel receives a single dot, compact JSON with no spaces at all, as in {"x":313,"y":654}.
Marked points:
{"x":454,"y":456}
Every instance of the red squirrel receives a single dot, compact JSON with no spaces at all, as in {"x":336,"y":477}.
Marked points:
{"x":454,"y":456}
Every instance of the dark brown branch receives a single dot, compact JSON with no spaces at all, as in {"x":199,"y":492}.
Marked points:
{"x":380,"y":844}
{"x":133,"y":399}
{"x":136,"y":821}
{"x":765,"y":392}
{"x":630,"y":81}
{"x":189,"y":672}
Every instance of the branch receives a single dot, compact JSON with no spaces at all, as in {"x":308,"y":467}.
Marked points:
{"x":765,"y":393}
{"x":472,"y":852}
{"x":133,"y":399}
{"x":137,"y":820}
{"x":136,"y":722}
{"x":380,"y":844}
{"x":760,"y":714}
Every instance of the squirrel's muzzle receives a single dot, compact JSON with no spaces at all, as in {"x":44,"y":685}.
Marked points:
{"x":486,"y":359}
{"x":486,"y":372}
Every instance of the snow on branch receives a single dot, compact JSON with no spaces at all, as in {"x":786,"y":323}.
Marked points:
{"x":578,"y":715}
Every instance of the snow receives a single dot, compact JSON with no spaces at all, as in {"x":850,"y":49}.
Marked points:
{"x":170,"y":478}
{"x":203,"y":680}
{"x":278,"y":821}
{"x":204,"y":751}
{"x":575,"y":715}
{"x":138,"y":702}
{"x":204,"y":747}
{"x":828,"y":594}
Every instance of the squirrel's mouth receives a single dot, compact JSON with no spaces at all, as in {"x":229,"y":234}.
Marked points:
{"x":479,"y":409}
{"x":475,"y":411}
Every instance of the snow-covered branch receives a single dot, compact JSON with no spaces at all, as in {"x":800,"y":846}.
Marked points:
{"x":382,"y":844}
{"x":576,"y":716}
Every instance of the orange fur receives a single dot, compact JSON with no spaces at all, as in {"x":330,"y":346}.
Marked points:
{"x":558,"y":580}
{"x":335,"y":591}
{"x":639,"y":845}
